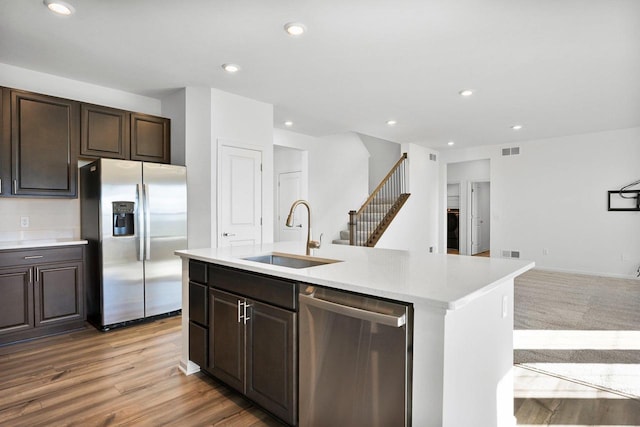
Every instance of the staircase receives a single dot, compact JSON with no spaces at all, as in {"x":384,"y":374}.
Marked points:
{"x":367,"y":225}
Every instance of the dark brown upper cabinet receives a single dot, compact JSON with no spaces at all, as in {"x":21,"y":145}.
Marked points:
{"x":105,"y":132}
{"x":44,"y":137}
{"x":150,"y":140}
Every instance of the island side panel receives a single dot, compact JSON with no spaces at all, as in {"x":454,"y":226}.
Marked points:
{"x":428,"y":364}
{"x":478,"y":361}
{"x":186,"y":365}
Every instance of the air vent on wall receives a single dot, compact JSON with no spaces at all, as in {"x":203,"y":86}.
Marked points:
{"x":510,"y":254}
{"x":513,"y":151}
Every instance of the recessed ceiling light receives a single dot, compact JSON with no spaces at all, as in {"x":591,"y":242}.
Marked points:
{"x":231,"y":68}
{"x":288,"y":123}
{"x":466,"y":92}
{"x":59,"y":7}
{"x":391,"y":122}
{"x":295,"y":29}
{"x":516,"y":127}
{"x":450,"y":143}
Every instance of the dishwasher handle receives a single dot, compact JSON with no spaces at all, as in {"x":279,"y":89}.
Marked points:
{"x":358,"y":313}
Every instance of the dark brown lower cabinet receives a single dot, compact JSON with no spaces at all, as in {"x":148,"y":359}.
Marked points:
{"x":271,"y":359}
{"x":41,"y":292}
{"x":16,"y":303}
{"x":252,"y":348}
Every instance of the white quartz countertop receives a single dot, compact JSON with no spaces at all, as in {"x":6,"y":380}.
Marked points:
{"x":43,"y":243}
{"x":444,"y":281}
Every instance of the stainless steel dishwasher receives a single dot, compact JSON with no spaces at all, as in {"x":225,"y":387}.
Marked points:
{"x":355,"y":360}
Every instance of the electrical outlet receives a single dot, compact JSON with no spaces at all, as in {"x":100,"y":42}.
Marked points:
{"x":24,"y":221}
{"x":545,"y":251}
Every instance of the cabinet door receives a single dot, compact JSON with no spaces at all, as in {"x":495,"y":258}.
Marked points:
{"x":16,"y":299}
{"x":271,"y":360}
{"x":150,"y":138}
{"x":59,"y":295}
{"x":105,"y":132}
{"x":45,"y":134}
{"x":226,"y":338}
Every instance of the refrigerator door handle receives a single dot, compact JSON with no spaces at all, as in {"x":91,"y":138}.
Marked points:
{"x":147,"y":220}
{"x":140,"y":224}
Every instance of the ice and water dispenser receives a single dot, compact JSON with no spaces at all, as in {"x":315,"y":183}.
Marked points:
{"x":123,"y":218}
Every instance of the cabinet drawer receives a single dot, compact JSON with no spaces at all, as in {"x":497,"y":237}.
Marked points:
{"x":198,"y":303}
{"x":262,"y":288}
{"x":198,"y":272}
{"x":40,"y":256}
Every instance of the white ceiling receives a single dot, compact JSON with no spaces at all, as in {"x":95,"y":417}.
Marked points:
{"x":558,"y":67}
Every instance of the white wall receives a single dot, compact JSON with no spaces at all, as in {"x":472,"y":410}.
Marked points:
{"x":57,"y":218}
{"x":338,"y":178}
{"x":174,"y":107}
{"x":416,"y":227}
{"x":553,"y":198}
{"x":383,"y":155}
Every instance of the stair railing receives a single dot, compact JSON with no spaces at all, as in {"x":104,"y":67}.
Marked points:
{"x":367,"y":224}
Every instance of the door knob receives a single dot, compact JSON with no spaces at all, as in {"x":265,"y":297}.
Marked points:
{"x":228,"y":234}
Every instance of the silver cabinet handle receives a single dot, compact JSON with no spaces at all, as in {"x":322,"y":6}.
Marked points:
{"x":34,"y":257}
{"x":228,"y":234}
{"x":298,"y":225}
{"x":0,"y":185}
{"x":246,"y":316}
{"x":371,"y":316}
{"x":15,"y":186}
{"x":242,"y":311}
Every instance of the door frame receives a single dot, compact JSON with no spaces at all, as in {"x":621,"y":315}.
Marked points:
{"x":222,"y":142}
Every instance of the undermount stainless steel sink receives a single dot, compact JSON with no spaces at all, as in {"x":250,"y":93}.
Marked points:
{"x":290,"y":260}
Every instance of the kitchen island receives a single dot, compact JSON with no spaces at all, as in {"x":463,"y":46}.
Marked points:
{"x":462,"y":319}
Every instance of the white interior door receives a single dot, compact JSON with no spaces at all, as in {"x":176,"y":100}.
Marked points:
{"x":290,"y":190}
{"x":479,"y":221}
{"x":475,"y":220}
{"x":239,"y":197}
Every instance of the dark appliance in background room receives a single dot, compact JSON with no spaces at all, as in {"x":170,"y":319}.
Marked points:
{"x":453,"y":223}
{"x":134,"y":216}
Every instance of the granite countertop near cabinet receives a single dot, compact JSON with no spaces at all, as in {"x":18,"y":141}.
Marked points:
{"x":41,"y":243}
{"x":444,"y":281}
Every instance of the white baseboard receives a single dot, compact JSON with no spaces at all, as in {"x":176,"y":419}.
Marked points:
{"x":188,"y":367}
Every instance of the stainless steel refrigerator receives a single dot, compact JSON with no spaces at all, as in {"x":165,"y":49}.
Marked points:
{"x":134,"y":216}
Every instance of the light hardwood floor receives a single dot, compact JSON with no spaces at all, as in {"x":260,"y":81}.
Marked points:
{"x":130,"y":377}
{"x":123,"y":377}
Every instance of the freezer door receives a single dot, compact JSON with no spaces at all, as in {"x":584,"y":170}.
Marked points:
{"x":165,"y":195}
{"x":122,"y":265}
